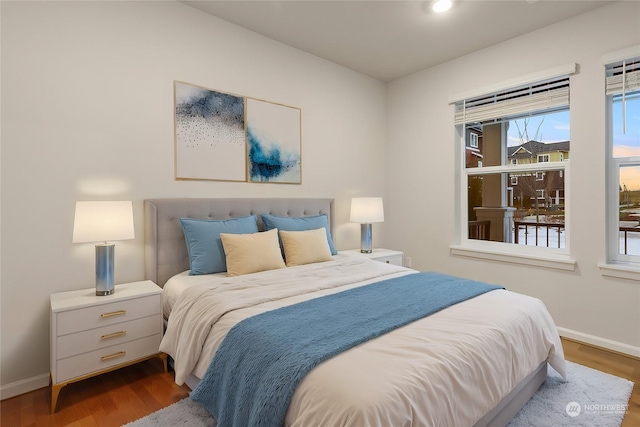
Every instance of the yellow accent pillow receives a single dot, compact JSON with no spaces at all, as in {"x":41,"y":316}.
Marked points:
{"x":251,"y":253}
{"x":305,"y":247}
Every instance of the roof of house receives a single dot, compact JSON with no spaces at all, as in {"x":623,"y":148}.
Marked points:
{"x":534,"y":148}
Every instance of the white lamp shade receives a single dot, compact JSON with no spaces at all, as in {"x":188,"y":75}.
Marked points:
{"x":103,"y":221}
{"x":366,"y":210}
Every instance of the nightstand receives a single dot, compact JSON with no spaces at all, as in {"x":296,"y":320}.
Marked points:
{"x":383,"y":255}
{"x":91,"y":335}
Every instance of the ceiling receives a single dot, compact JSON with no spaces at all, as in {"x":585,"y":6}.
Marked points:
{"x":390,"y":39}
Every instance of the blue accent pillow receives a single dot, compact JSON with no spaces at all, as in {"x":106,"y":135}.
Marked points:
{"x":206,"y":254}
{"x":299,"y":224}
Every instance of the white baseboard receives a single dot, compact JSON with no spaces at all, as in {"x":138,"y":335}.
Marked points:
{"x":23,"y":386}
{"x":600,"y":342}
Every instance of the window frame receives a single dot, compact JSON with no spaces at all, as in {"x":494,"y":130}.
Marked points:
{"x":554,"y":258}
{"x":473,"y":140}
{"x":614,"y":164}
{"x":617,"y":265}
{"x":543,"y":257}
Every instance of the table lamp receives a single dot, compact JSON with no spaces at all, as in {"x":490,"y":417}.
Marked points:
{"x":103,"y":222}
{"x":366,"y":210}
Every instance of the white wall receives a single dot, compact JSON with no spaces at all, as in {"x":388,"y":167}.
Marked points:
{"x":420,"y":161}
{"x":87,"y":97}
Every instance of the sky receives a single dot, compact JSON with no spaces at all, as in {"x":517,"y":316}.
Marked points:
{"x":552,"y":127}
{"x":628,"y":143}
{"x":555,"y":127}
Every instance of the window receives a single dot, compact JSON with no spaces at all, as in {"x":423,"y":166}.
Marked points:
{"x":473,"y":141}
{"x":520,"y":189}
{"x":623,"y":164}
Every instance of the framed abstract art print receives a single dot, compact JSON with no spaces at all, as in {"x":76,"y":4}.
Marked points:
{"x":209,"y":134}
{"x":274,"y":142}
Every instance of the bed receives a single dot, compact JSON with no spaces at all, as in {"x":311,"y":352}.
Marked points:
{"x":475,"y":363}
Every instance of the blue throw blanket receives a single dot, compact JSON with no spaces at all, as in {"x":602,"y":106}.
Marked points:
{"x":259,"y":364}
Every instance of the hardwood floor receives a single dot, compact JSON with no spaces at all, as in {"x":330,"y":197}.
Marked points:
{"x":130,"y":393}
{"x":111,"y":399}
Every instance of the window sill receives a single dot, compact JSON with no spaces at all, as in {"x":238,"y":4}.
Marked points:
{"x":554,"y":261}
{"x":620,"y":271}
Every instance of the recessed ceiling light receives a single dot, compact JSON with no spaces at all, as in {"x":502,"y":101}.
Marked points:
{"x":440,"y":6}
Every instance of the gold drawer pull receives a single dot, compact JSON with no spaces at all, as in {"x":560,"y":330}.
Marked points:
{"x":113,"y":335}
{"x":113,"y":356}
{"x":113,"y":313}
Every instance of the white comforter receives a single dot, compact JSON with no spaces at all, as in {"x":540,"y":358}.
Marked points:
{"x":448,"y":369}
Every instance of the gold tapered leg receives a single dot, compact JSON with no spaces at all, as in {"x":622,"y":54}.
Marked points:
{"x":163,"y":357}
{"x":55,"y":391}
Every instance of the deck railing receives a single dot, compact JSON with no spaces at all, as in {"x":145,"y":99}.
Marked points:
{"x":526,"y":225}
{"x":626,"y":230}
{"x":480,"y":230}
{"x":559,"y":227}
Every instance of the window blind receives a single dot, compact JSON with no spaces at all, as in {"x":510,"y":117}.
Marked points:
{"x":524,"y":100}
{"x":623,"y":76}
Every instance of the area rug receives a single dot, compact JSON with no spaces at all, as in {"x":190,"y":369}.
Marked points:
{"x":589,"y":398}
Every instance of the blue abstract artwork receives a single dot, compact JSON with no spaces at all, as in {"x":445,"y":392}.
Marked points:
{"x":273,"y":142}
{"x":209,"y":134}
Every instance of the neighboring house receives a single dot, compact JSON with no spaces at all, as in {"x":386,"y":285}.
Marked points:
{"x":537,"y":152}
{"x":473,"y":148}
{"x":547,"y":187}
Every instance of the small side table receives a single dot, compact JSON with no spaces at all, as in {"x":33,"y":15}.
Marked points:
{"x":92,"y":335}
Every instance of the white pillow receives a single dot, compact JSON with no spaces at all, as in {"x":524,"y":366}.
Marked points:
{"x":251,"y":253}
{"x":305,"y":247}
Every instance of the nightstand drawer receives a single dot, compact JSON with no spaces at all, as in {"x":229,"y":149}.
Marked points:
{"x":106,"y":314}
{"x":99,"y":360}
{"x":388,"y":256}
{"x":392,"y":259}
{"x":94,"y":339}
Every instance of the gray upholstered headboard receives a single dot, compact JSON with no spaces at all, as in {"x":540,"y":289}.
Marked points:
{"x":165,"y":251}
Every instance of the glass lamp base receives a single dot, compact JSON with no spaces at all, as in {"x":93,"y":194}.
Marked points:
{"x":365,"y":239}
{"x":104,"y":269}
